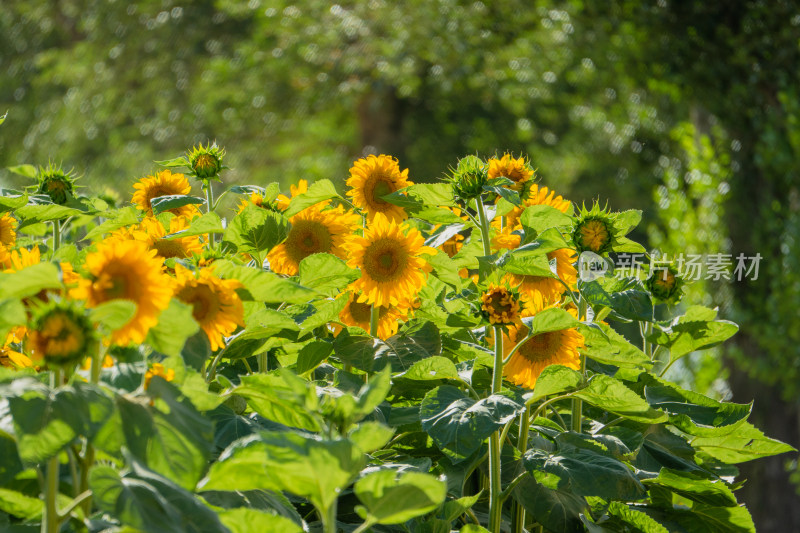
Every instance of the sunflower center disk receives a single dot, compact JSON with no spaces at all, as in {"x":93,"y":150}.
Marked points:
{"x":204,"y":302}
{"x":595,"y":234}
{"x":381,"y":187}
{"x":168,"y":249}
{"x":541,"y":347}
{"x":307,"y":238}
{"x":383,"y":261}
{"x":360,"y":311}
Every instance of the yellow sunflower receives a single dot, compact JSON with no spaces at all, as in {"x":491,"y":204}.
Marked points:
{"x":593,"y":234}
{"x":358,"y":314}
{"x":499,"y":305}
{"x":126,"y":269}
{"x":258,"y":200}
{"x":283,"y":200}
{"x":389,"y":256}
{"x":215,"y":304}
{"x":373,"y":177}
{"x":158,"y":369}
{"x":314,"y":230}
{"x":540,"y":351}
{"x":164,"y":183}
{"x":536,"y":196}
{"x":7,"y":234}
{"x":153,"y":233}
{"x":540,"y":291}
{"x":517,"y":170}
{"x":21,"y":258}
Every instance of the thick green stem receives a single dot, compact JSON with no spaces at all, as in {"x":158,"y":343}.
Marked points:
{"x":518,"y":511}
{"x":577,"y":404}
{"x":56,"y":236}
{"x":487,"y":249}
{"x":495,"y":503}
{"x":374,"y":312}
{"x":50,"y":519}
{"x":263,"y":362}
{"x":329,"y":519}
{"x":210,"y":208}
{"x":212,"y":369}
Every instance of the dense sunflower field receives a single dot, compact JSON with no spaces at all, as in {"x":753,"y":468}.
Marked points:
{"x":456,"y":356}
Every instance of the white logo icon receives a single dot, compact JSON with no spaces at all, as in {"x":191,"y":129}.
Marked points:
{"x":591,"y":266}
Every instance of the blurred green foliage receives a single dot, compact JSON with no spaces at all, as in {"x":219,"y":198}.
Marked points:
{"x":690,"y":107}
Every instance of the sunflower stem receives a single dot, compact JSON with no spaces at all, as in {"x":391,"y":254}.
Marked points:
{"x":210,"y":208}
{"x":374,"y":311}
{"x":577,"y":404}
{"x":50,"y":519}
{"x":495,"y":503}
{"x":518,"y":511}
{"x":56,"y":236}
{"x":487,"y":249}
{"x":329,"y":518}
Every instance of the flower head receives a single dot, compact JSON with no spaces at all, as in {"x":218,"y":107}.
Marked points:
{"x":7,"y":234}
{"x":164,"y":183}
{"x":500,"y":305}
{"x":469,"y":177}
{"x":215,"y":304}
{"x":206,"y":161}
{"x":517,"y":170}
{"x":665,"y":284}
{"x":372,"y":178}
{"x":358,"y":314}
{"x":60,"y":335}
{"x":390,"y":258}
{"x":56,"y":183}
{"x":167,"y":374}
{"x":152,"y":232}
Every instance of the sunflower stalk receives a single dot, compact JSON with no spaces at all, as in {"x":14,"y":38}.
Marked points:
{"x":495,"y":502}
{"x":50,"y":518}
{"x":577,"y":404}
{"x":517,"y":511}
{"x":374,"y":312}
{"x":56,"y":236}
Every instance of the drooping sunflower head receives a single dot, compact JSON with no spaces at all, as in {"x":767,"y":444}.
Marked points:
{"x":594,"y":230}
{"x":469,"y":177}
{"x":517,"y":170}
{"x":500,"y":305}
{"x":390,"y":258}
{"x":167,"y":374}
{"x":215,"y":304}
{"x":129,"y":270}
{"x":56,"y":183}
{"x":164,"y":183}
{"x":313,"y":230}
{"x":61,"y":335}
{"x":153,"y":233}
{"x":372,"y":178}
{"x":358,"y":314}
{"x":7,"y":234}
{"x":540,"y":351}
{"x":206,"y":161}
{"x":666,"y":284}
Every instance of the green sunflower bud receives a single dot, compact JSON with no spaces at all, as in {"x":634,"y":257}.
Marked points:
{"x":56,"y":184}
{"x":61,"y":335}
{"x":206,"y":161}
{"x":469,"y":177}
{"x":665,"y":284}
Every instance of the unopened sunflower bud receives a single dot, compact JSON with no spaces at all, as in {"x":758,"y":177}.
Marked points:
{"x":206,"y":161}
{"x":469,"y":177}
{"x":55,"y":183}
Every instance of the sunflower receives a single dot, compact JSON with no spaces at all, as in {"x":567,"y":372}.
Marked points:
{"x":68,"y":275}
{"x":126,"y":269}
{"x":540,"y":351}
{"x":7,"y":234}
{"x":21,"y":258}
{"x":258,"y":200}
{"x":499,"y":305}
{"x":665,"y":284}
{"x":164,"y":183}
{"x":517,"y":170}
{"x":215,"y":304}
{"x":61,"y":335}
{"x":153,"y":233}
{"x":540,"y":291}
{"x":158,"y":369}
{"x":283,"y":200}
{"x":593,"y":234}
{"x":373,"y":177}
{"x":358,"y":314}
{"x":13,"y":359}
{"x":392,"y":271}
{"x":313,"y":231}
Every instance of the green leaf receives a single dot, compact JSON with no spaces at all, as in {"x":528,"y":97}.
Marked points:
{"x":412,"y":344}
{"x":29,"y":171}
{"x":538,"y":218}
{"x":264,"y":286}
{"x":416,"y":197}
{"x":393,"y":498}
{"x":127,"y":216}
{"x":696,"y":488}
{"x":527,"y":262}
{"x":612,"y":395}
{"x":317,"y":192}
{"x":205,"y":223}
{"x":627,"y":298}
{"x":370,"y":436}
{"x":585,"y":473}
{"x":326,"y":273}
{"x":372,"y":394}
{"x":707,"y":519}
{"x":256,"y":231}
{"x":662,"y":448}
{"x":10,"y":464}
{"x":245,"y":520}
{"x":282,"y":397}
{"x":556,"y":510}
{"x":458,"y":424}
{"x":33,"y":213}
{"x":176,"y":162}
{"x":113,"y":314}
{"x":242,"y":465}
{"x":507,"y":194}
{"x":3,"y":117}
{"x":11,"y":200}
{"x":744,"y":444}
{"x":432,"y":368}
{"x":175,"y":324}
{"x":634,"y":518}
{"x":606,"y":346}
{"x":29,"y":281}
{"x":324,"y":311}
{"x":553,"y":319}
{"x":12,"y":313}
{"x":160,"y":204}
{"x":695,"y":330}
{"x":311,"y":355}
{"x":625,"y":221}
{"x":555,"y":379}
{"x":20,"y":505}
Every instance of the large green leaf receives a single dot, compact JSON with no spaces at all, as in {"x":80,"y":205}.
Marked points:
{"x":160,"y":204}
{"x":613,"y":396}
{"x":432,"y":368}
{"x":256,"y":231}
{"x":241,"y":466}
{"x":175,"y":325}
{"x":556,"y":510}
{"x":317,"y":192}
{"x":697,"y":329}
{"x":264,"y":286}
{"x":606,"y":346}
{"x":695,"y":487}
{"x":205,"y":223}
{"x":390,"y":497}
{"x":127,"y":216}
{"x":412,"y":344}
{"x":11,"y":200}
{"x":282,"y":397}
{"x":553,"y":319}
{"x":459,"y":424}
{"x":311,"y":355}
{"x":555,"y":379}
{"x":585,"y":473}
{"x":29,"y":281}
{"x":538,"y":218}
{"x":326,"y":273}
{"x":744,"y":444}
{"x":243,"y":520}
